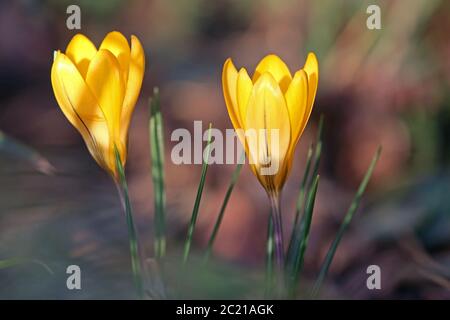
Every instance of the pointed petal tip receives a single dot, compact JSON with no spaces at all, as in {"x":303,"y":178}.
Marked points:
{"x":134,"y":38}
{"x":103,"y":54}
{"x":115,"y":32}
{"x":312,"y":55}
{"x":227,"y":62}
{"x":243,"y":71}
{"x":136,"y":45}
{"x":273,"y":64}
{"x":228,"y":67}
{"x":266,"y":78}
{"x":117,"y":43}
{"x":300,"y":74}
{"x":137,"y":52}
{"x":311,"y":63}
{"x":79,"y":35}
{"x":77,"y":40}
{"x":272,"y":56}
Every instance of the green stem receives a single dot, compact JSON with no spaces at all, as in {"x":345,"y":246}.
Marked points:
{"x":278,"y":244}
{"x":122,"y":189}
{"x":269,"y":258}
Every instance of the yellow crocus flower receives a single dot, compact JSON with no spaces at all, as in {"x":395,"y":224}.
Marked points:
{"x":271,"y":99}
{"x":97,"y":91}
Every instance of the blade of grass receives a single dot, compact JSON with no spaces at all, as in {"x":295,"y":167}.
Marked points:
{"x":304,"y":190}
{"x":122,"y":188}
{"x":300,"y":201}
{"x":8,"y":263}
{"x":317,"y":151}
{"x":233,"y":181}
{"x":16,"y":149}
{"x":303,"y":236}
{"x":194,"y":215}
{"x":157,"y":155}
{"x":344,"y":225}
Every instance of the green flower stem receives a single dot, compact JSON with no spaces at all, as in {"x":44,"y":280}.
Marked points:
{"x":269,"y":258}
{"x":122,"y":189}
{"x":278,"y":243}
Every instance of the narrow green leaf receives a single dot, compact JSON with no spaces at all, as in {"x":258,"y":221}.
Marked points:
{"x":8,"y":263}
{"x":233,"y":181}
{"x":305,"y":187}
{"x":198,"y":198}
{"x":157,"y":167}
{"x":301,"y":195}
{"x":299,"y":205}
{"x":122,"y":188}
{"x":16,"y":149}
{"x":344,"y":225}
{"x":303,"y":236}
{"x":317,"y":151}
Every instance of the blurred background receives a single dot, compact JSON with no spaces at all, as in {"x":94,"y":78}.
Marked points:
{"x":384,"y":87}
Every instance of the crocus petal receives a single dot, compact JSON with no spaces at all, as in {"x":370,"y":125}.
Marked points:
{"x":118,"y":45}
{"x":311,"y":68}
{"x":243,"y":91}
{"x":104,"y":80}
{"x":277,"y":68}
{"x":133,"y":86}
{"x":296,"y":99}
{"x":229,"y":84}
{"x":267,"y":110}
{"x":80,"y":107}
{"x":81,"y":51}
